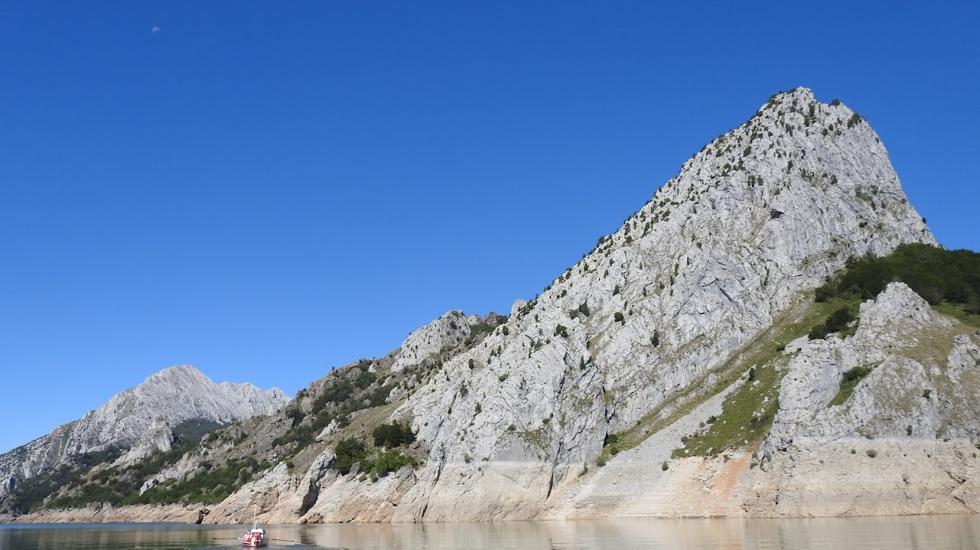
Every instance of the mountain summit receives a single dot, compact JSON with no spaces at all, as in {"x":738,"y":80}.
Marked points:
{"x":165,"y":400}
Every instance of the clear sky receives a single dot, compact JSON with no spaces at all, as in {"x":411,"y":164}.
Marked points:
{"x":269,"y":190}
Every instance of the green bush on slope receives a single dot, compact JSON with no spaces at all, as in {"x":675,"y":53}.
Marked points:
{"x":935,"y":274}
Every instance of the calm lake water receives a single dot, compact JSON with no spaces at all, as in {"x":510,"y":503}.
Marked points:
{"x":926,"y":533}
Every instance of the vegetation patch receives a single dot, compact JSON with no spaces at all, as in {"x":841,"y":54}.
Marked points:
{"x":392,"y":435}
{"x":837,"y":321}
{"x":29,"y":494}
{"x":746,"y":416}
{"x":958,"y":311}
{"x":375,"y":463}
{"x":937,"y":275}
{"x":209,"y":485}
{"x":849,"y":381}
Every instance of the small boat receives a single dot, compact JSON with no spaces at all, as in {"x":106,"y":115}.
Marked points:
{"x":255,"y":537}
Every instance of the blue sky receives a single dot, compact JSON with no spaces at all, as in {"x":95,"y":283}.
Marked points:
{"x":269,"y":190}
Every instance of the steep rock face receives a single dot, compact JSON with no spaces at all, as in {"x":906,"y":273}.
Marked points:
{"x":138,"y":415}
{"x":762,"y":213}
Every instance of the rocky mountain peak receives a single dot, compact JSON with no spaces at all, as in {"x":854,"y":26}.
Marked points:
{"x":177,"y":374}
{"x":760,"y":214}
{"x":145,"y":412}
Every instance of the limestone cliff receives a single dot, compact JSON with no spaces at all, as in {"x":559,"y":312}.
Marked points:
{"x":645,"y":339}
{"x":678,"y":369}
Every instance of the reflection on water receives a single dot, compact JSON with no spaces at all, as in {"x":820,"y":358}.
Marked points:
{"x":902,"y":533}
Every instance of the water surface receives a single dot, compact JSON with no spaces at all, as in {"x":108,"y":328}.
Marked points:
{"x":901,"y":533}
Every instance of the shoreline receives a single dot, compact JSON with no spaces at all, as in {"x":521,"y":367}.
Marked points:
{"x":81,"y":517}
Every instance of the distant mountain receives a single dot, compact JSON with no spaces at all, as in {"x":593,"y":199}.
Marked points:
{"x":138,"y":422}
{"x":775,"y":332}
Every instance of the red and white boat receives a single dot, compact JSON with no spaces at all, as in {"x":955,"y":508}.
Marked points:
{"x":255,"y":537}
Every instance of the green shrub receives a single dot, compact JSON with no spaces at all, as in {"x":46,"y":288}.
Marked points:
{"x":295,"y":414}
{"x":364,"y":379}
{"x":386,"y":462}
{"x":849,"y":380}
{"x":392,"y":435}
{"x":935,"y":274}
{"x":618,"y":317}
{"x":836,"y":322}
{"x":348,"y":452}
